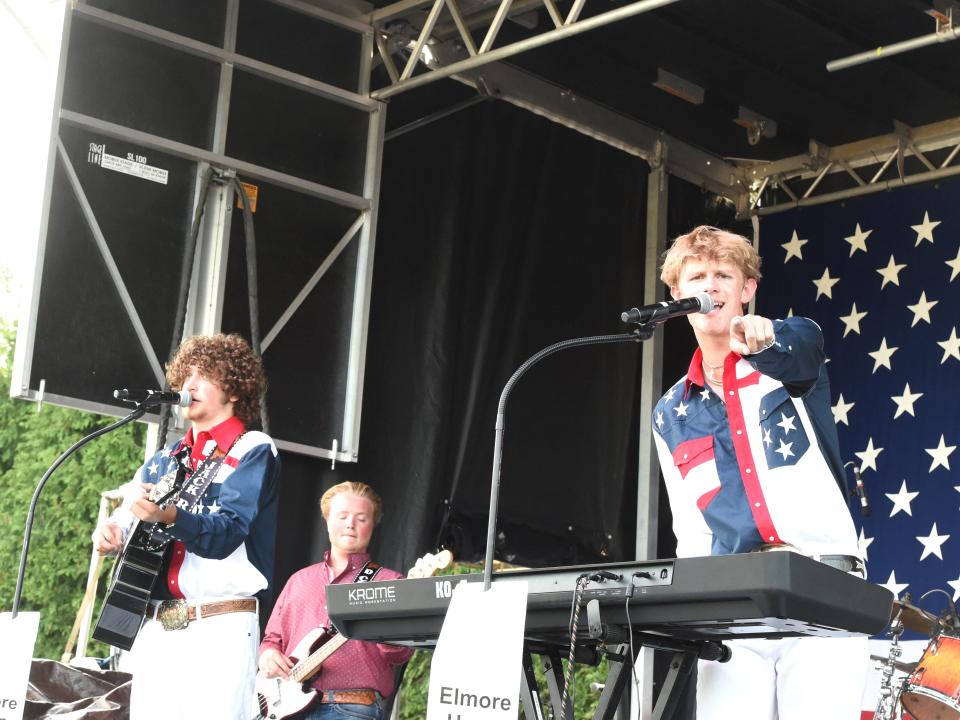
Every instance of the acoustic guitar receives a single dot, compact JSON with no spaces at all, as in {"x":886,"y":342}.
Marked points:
{"x":136,"y":570}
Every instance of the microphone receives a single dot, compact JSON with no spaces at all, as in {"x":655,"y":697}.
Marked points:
{"x":154,"y":397}
{"x":662,"y":311}
{"x":865,"y":509}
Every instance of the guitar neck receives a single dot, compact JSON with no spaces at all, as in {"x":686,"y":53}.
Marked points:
{"x":307,"y":668}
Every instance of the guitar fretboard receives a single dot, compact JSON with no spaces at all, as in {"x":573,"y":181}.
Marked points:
{"x":305,"y":669}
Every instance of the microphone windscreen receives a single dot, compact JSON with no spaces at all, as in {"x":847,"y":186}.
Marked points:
{"x":706,"y":302}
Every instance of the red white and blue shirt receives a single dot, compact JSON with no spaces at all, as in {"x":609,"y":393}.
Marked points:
{"x":762,"y":465}
{"x":224,"y":547}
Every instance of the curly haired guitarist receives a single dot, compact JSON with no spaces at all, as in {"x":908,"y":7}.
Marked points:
{"x":195,"y":655}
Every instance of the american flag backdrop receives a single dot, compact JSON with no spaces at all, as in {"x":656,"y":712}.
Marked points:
{"x":881,"y":275}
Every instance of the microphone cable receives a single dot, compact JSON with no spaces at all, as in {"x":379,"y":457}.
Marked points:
{"x":628,"y":595}
{"x":568,"y":688}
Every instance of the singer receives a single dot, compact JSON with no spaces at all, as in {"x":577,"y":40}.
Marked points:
{"x":750,"y":456}
{"x":222,"y":533}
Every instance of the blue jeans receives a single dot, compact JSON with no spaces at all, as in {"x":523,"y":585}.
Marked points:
{"x":343,"y":711}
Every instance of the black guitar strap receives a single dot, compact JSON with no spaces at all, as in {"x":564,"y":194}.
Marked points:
{"x":195,"y":485}
{"x":368,"y":572}
{"x":198,"y":482}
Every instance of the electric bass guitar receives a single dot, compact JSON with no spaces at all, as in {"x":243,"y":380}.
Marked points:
{"x":136,"y":570}
{"x":277,"y":698}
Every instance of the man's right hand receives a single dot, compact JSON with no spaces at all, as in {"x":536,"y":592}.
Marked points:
{"x":107,"y":538}
{"x":273,"y":663}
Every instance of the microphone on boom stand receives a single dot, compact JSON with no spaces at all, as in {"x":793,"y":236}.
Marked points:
{"x":860,"y":489}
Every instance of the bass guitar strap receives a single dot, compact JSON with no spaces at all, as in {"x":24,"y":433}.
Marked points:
{"x":368,"y":572}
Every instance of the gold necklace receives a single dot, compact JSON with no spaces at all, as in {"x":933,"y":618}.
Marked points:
{"x":711,"y":373}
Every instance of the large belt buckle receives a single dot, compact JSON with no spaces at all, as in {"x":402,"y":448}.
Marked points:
{"x":173,"y":614}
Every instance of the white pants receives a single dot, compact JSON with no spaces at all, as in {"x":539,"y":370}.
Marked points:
{"x":790,"y":679}
{"x":206,"y":670}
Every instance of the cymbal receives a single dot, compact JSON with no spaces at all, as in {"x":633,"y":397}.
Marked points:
{"x":901,"y":666}
{"x":913,"y":618}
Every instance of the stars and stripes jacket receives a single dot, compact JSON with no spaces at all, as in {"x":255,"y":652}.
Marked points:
{"x":762,"y":465}
{"x":224,"y":548}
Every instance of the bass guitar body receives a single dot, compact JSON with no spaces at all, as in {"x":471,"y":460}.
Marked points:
{"x":278,"y":698}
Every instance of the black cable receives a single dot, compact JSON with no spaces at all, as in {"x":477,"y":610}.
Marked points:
{"x":186,"y":271}
{"x":637,"y":335}
{"x":568,"y":686}
{"x":28,"y":528}
{"x":953,"y":618}
{"x":628,"y":593}
{"x":253,"y":298}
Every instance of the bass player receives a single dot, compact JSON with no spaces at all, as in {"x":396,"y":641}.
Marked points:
{"x":354,"y":680}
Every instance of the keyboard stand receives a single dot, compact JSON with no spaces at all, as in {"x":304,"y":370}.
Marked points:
{"x":615,"y":646}
{"x":619,"y":676}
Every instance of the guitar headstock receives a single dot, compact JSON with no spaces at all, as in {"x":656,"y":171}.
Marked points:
{"x":430,"y":564}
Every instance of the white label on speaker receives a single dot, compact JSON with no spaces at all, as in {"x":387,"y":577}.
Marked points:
{"x":132,"y":164}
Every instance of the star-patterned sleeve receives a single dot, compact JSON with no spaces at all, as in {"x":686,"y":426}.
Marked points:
{"x":217,"y":534}
{"x":795,"y":357}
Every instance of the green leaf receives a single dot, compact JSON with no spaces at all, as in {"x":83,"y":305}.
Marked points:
{"x":66,"y":513}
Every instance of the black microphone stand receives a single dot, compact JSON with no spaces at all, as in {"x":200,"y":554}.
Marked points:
{"x":643,"y":332}
{"x":139,"y":412}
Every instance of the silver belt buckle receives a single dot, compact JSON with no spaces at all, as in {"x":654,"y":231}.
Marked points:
{"x":173,"y":614}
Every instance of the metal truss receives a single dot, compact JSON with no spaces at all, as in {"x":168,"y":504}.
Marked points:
{"x":389,"y":28}
{"x":443,"y":43}
{"x":500,"y":81}
{"x":900,"y":158}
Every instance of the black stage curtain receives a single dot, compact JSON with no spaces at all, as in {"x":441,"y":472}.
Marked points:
{"x":500,"y":233}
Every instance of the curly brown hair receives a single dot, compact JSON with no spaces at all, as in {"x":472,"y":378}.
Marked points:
{"x":354,"y":488}
{"x":226,"y":360}
{"x":710,"y":243}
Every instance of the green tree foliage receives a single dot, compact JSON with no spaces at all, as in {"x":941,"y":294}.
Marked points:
{"x":66,"y":514}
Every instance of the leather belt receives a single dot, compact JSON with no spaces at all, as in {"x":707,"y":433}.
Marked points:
{"x":847,"y":563}
{"x":177,"y":614}
{"x":350,"y":697}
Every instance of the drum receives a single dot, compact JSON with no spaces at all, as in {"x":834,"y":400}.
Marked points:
{"x":932,"y":691}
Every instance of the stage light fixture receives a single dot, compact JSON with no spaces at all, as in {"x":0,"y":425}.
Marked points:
{"x":678,"y":87}
{"x":756,"y":125}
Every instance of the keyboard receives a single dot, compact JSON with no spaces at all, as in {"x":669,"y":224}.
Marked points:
{"x":771,"y":594}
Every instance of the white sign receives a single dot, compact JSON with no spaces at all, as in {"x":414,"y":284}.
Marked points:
{"x":19,"y":635}
{"x":132,"y":164}
{"x":475,"y":673}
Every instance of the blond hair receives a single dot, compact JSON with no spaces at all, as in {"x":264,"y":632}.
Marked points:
{"x":710,"y":243}
{"x":354,"y":488}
